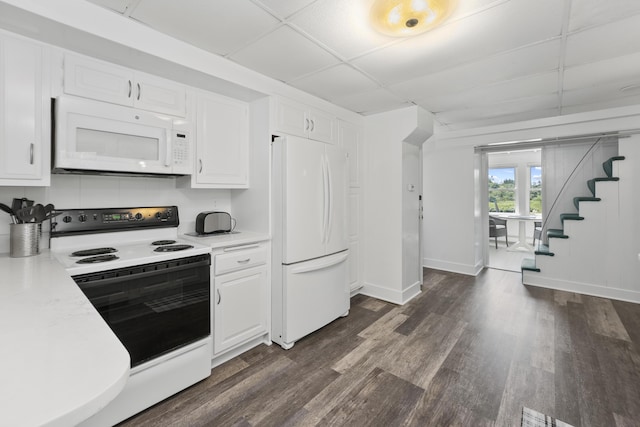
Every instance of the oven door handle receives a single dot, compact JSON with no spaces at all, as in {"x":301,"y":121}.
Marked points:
{"x":99,"y":280}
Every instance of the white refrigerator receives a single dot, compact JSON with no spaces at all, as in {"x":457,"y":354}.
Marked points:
{"x":310,"y":274}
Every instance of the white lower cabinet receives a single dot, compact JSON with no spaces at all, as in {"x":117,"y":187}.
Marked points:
{"x":240,"y":296}
{"x":240,"y":307}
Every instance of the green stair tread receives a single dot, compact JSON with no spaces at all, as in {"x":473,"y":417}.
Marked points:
{"x":608,"y":165}
{"x":543,"y":250}
{"x":556,"y":233}
{"x":571,"y":216}
{"x":529,"y":264}
{"x":577,"y":200}
{"x":591,"y":184}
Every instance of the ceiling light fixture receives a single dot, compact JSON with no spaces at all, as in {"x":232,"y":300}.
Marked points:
{"x":515,"y":142}
{"x":401,"y":18}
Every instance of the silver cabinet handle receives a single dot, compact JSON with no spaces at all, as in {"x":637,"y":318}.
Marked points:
{"x":139,"y":91}
{"x":200,"y":163}
{"x":219,"y":297}
{"x":313,"y":125}
{"x":31,"y":148}
{"x":243,"y":261}
{"x":306,"y":124}
{"x":130,"y":87}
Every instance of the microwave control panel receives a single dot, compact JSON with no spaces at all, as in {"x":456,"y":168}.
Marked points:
{"x":181,"y":152}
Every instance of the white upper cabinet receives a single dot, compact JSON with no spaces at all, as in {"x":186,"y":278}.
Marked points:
{"x":298,"y":119}
{"x":24,"y":119}
{"x":91,"y":78}
{"x":222,"y":142}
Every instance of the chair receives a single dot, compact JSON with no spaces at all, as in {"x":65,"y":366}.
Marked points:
{"x":497,"y":228}
{"x":537,"y":231}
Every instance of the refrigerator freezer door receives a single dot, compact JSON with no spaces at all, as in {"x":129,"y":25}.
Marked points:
{"x":316,"y":292}
{"x":305,"y":190}
{"x":336,"y":230}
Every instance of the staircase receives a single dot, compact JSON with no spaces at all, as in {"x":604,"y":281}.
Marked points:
{"x":595,"y":252}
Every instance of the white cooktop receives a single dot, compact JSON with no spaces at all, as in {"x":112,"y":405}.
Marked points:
{"x":132,"y":248}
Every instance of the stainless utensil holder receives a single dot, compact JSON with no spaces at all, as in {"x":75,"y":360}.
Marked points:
{"x":24,"y":239}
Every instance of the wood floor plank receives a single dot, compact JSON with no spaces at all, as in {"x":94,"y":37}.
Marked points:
{"x":526,"y":386}
{"x":369,"y":403}
{"x":437,"y":333}
{"x":567,"y":407}
{"x":603,"y":318}
{"x":594,"y":406}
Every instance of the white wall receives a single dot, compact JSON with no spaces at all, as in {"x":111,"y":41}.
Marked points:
{"x":86,"y":191}
{"x":449,"y":208}
{"x":383,"y":139}
{"x":629,"y":198}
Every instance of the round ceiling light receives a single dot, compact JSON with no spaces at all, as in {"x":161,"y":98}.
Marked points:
{"x":401,"y":18}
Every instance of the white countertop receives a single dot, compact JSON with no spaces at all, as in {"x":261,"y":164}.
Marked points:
{"x":59,"y":361}
{"x":235,"y":238}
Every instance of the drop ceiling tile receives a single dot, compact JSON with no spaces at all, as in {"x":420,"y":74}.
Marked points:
{"x":371,"y":102}
{"x":527,"y":61}
{"x":505,"y":91}
{"x":503,"y":119}
{"x":119,"y":6}
{"x":588,"y":13}
{"x":285,"y":8}
{"x":335,"y":82}
{"x":343,"y":26}
{"x":602,"y":105}
{"x":622,"y":70}
{"x":501,"y":28}
{"x":522,"y":105}
{"x":284,"y":55}
{"x":214,"y":25}
{"x":606,"y":41}
{"x":599,"y":94}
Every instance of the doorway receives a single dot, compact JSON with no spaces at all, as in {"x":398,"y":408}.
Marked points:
{"x":514,"y":194}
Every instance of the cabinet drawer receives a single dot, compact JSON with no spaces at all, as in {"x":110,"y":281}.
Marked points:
{"x":240,"y":258}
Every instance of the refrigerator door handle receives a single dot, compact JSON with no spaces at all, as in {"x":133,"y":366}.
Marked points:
{"x":325,"y":203}
{"x":329,"y":200}
{"x":320,"y":264}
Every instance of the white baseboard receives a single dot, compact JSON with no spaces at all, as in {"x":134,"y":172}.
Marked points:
{"x":391,"y":295}
{"x":535,"y":279}
{"x":454,"y":267}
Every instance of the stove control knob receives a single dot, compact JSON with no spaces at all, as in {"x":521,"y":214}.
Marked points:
{"x":158,"y":215}
{"x":138,"y":216}
{"x":66,"y":219}
{"x":82,"y":217}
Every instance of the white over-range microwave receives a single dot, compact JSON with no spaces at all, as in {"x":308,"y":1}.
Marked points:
{"x":101,"y":138}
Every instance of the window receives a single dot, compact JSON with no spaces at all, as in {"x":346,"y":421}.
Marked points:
{"x":535,"y":189}
{"x":502,"y":189}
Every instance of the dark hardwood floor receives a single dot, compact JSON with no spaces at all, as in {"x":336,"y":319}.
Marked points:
{"x":468,"y":351}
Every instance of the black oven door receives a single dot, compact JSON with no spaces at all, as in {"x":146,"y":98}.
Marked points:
{"x":153,"y":308}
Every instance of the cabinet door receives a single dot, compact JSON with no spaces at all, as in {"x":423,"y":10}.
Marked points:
{"x":99,"y":80}
{"x":350,"y":139}
{"x":292,"y":118}
{"x":222,"y":142}
{"x":337,"y":230}
{"x":23,"y":151}
{"x":322,"y":126}
{"x":240,"y":307}
{"x":160,"y":95}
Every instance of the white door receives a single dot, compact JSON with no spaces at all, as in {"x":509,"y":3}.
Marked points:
{"x":336,"y":229}
{"x":304,"y":189}
{"x":315,"y":293}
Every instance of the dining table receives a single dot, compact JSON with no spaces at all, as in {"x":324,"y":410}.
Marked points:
{"x":521,"y":244}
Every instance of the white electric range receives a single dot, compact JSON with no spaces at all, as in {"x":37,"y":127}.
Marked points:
{"x":152,"y":288}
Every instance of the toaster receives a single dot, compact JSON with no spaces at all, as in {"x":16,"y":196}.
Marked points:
{"x":214,"y":222}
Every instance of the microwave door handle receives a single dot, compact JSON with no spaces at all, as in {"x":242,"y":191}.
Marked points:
{"x":167,"y":159}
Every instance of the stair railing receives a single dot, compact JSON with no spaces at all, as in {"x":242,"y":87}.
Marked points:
{"x":588,"y":153}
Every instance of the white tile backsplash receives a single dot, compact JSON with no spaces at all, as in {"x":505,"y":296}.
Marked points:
{"x":88,"y":191}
